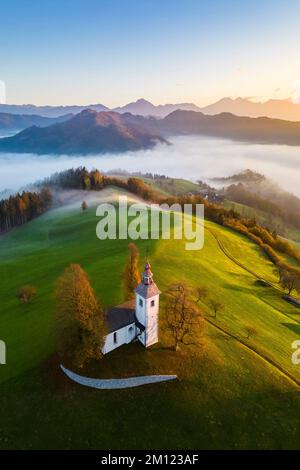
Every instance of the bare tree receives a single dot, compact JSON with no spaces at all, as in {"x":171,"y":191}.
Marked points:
{"x":289,"y":280}
{"x":202,"y":293}
{"x":182,"y":316}
{"x":216,"y":306}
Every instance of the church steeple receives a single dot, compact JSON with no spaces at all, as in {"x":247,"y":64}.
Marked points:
{"x":147,"y":276}
{"x":147,"y":307}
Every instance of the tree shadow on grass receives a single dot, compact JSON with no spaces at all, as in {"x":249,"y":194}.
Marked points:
{"x":238,"y":288}
{"x":293,"y":327}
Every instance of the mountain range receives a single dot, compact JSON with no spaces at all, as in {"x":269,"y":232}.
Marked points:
{"x":277,"y":109}
{"x":226,"y":125}
{"x":274,"y":108}
{"x":86,"y":133}
{"x":143,"y":107}
{"x":22,"y":121}
{"x":91,"y":132}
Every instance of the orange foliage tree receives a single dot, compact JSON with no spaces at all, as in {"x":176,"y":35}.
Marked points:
{"x":131,"y":273}
{"x":80,"y":321}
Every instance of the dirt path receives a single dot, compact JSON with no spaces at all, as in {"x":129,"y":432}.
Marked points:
{"x":113,"y":384}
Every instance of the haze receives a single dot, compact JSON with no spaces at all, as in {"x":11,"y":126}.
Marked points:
{"x":188,"y":157}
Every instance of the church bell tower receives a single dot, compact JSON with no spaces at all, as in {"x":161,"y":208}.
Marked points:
{"x":147,"y":307}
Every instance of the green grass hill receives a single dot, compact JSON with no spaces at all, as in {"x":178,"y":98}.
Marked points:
{"x":232,"y":391}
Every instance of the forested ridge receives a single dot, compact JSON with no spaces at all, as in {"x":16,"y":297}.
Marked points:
{"x":22,"y":207}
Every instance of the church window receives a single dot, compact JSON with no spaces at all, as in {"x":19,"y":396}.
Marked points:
{"x":141,"y":303}
{"x":152,"y":303}
{"x":115,"y":337}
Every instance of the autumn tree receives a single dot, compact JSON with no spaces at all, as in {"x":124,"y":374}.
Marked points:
{"x":80,"y":321}
{"x":22,"y":207}
{"x":96,"y":179}
{"x":131,"y":273}
{"x":84,"y":206}
{"x":289,"y":279}
{"x":183,"y":318}
{"x":26,"y":293}
{"x":216,"y":306}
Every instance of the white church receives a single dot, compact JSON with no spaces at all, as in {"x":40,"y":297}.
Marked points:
{"x":136,"y":319}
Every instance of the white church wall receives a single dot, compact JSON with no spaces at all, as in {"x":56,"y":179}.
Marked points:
{"x":140,"y":309}
{"x":152,"y":320}
{"x":147,"y":315}
{"x":123,"y":336}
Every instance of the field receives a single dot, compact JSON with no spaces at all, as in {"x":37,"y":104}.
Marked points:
{"x":173,"y":186}
{"x":232,"y":391}
{"x":274,"y":222}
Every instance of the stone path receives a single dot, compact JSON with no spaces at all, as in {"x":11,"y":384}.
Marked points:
{"x":110,"y":384}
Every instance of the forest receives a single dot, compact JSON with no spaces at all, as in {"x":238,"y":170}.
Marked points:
{"x":22,"y":207}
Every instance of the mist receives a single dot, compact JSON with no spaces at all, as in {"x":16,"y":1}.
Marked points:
{"x":190,"y":157}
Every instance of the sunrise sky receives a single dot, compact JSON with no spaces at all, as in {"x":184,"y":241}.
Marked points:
{"x":115,"y":51}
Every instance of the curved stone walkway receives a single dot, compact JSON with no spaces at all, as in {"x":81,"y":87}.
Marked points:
{"x":110,"y":384}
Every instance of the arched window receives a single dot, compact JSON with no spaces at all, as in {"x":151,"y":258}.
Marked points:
{"x":140,"y":302}
{"x":115,"y":337}
{"x":152,"y":303}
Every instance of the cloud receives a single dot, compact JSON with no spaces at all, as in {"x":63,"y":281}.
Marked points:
{"x":189,"y":157}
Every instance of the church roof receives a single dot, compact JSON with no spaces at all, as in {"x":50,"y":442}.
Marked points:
{"x":121,"y":315}
{"x":147,"y":288}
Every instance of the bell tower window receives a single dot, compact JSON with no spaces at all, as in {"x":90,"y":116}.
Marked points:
{"x":115,"y":337}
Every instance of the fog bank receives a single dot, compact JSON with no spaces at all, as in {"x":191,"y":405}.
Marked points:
{"x":190,"y":157}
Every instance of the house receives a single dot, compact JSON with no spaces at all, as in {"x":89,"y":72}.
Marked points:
{"x":136,"y":319}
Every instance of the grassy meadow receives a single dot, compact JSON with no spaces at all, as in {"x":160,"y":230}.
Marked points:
{"x":232,"y":391}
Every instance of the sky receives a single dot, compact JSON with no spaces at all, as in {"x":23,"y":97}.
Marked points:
{"x":167,"y":51}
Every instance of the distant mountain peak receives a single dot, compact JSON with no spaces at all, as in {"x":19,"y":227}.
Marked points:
{"x":88,"y":132}
{"x":146,"y":108}
{"x":143,"y":101}
{"x":274,"y":108}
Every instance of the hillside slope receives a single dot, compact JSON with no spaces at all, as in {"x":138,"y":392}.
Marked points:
{"x":227,"y":396}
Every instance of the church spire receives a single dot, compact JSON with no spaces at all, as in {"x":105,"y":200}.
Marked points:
{"x":147,"y":276}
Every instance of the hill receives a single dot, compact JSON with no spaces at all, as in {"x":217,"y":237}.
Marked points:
{"x":22,"y":121}
{"x":87,"y":132}
{"x":232,"y":392}
{"x":90,"y":132}
{"x":226,"y":125}
{"x":271,"y":205}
